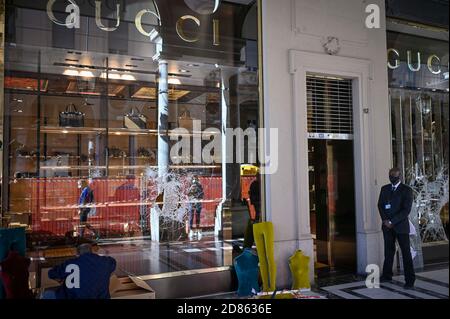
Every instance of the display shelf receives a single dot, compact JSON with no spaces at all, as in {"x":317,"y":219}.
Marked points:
{"x":137,"y":132}
{"x":110,"y":97}
{"x":111,"y":131}
{"x":72,"y":130}
{"x":81,"y":167}
{"x":131,"y":132}
{"x":130,"y":157}
{"x":44,"y":157}
{"x":24,"y":157}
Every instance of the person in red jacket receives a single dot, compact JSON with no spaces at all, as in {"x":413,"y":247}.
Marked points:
{"x":14,"y":275}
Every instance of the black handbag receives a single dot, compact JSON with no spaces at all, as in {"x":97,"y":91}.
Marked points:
{"x":116,"y":152}
{"x":71,"y":117}
{"x":144,"y":152}
{"x":135,"y":120}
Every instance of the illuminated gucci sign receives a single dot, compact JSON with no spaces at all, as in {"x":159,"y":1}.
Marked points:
{"x":202,"y":7}
{"x":414,"y":61}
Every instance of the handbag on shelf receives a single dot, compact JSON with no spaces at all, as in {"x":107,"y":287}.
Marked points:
{"x":25,"y":152}
{"x":135,"y":120}
{"x":144,"y":152}
{"x":25,"y":175}
{"x":71,"y":117}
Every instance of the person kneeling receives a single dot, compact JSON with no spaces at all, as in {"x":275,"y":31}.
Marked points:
{"x":84,"y":277}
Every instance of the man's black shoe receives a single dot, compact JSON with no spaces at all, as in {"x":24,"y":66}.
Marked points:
{"x":408,"y":287}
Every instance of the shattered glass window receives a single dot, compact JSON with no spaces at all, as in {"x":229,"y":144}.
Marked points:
{"x":419,"y":104}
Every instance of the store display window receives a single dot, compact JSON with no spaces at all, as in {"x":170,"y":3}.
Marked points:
{"x":113,"y":132}
{"x":419,"y":92}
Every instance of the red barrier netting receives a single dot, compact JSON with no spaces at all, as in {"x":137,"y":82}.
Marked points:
{"x":54,"y":204}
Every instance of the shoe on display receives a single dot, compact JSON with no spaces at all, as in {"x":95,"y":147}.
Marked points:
{"x":199,"y":234}
{"x":191,"y":234}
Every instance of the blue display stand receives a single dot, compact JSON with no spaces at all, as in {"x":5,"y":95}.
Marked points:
{"x":247,"y":270}
{"x":11,"y":237}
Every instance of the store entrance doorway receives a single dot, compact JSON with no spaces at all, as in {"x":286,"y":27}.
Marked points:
{"x":332,"y":204}
{"x":331,"y":174}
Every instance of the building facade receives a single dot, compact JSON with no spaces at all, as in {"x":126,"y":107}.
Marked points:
{"x":330,"y":39}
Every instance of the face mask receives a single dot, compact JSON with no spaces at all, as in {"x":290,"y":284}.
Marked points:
{"x":394,"y":179}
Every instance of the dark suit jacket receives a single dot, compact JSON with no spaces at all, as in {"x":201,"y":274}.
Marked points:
{"x":401,"y":202}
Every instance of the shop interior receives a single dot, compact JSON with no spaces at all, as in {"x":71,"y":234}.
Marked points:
{"x":74,"y":115}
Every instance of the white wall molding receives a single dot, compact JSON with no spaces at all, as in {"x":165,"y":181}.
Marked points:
{"x":360,"y":71}
{"x":343,"y":19}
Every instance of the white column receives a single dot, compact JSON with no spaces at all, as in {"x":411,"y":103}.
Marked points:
{"x":163,"y":119}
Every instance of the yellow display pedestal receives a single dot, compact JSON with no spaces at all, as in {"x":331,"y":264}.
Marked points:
{"x":299,"y":265}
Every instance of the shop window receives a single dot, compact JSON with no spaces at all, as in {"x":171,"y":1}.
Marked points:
{"x":106,"y":108}
{"x":419,"y":104}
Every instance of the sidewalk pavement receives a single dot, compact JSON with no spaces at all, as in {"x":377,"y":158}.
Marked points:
{"x":430,"y":284}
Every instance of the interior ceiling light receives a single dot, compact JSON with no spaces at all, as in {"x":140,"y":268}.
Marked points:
{"x":183,"y":71}
{"x":113,"y":76}
{"x":128,"y":77}
{"x":117,"y":76}
{"x":86,"y":74}
{"x":71,"y":72}
{"x":93,"y":67}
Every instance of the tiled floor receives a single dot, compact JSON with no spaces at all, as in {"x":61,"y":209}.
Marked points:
{"x":430,"y":284}
{"x":144,"y":257}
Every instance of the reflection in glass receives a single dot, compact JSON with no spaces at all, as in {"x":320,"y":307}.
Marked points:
{"x":420,"y":144}
{"x":87,"y":105}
